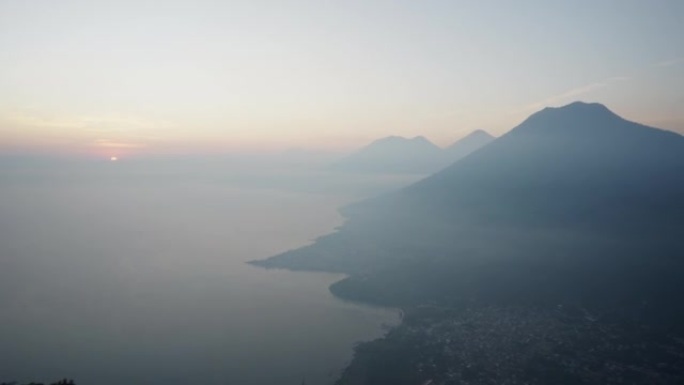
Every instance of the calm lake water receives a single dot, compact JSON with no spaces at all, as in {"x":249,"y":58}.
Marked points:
{"x":113,"y":280}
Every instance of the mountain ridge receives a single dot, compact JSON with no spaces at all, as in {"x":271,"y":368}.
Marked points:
{"x":397,"y":154}
{"x":534,"y":152}
{"x":573,"y":219}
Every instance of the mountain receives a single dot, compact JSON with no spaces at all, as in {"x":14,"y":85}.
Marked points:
{"x":578,"y":169}
{"x":468,"y":144}
{"x":395,"y":154}
{"x":563,"y":236}
{"x":578,"y":166}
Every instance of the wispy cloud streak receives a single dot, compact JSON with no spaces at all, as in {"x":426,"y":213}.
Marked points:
{"x":574,"y":93}
{"x":670,"y":62}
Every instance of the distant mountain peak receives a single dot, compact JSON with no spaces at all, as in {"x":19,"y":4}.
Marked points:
{"x":579,"y":109}
{"x":572,"y":119}
{"x":468,"y":144}
{"x":400,"y":140}
{"x":393,"y":154}
{"x":420,"y":138}
{"x":581,"y":105}
{"x":391,"y":138}
{"x":479,"y":133}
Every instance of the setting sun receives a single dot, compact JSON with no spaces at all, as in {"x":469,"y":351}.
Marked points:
{"x":113,"y":159}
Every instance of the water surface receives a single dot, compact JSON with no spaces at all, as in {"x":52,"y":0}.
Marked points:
{"x":133,"y":281}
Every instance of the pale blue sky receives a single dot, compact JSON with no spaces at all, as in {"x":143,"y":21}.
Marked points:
{"x":115,"y":77}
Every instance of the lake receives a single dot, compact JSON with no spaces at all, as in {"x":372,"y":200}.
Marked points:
{"x":112,"y":279}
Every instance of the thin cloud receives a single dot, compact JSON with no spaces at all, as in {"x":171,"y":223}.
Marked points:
{"x":572,"y":94}
{"x":670,"y":63}
{"x":565,"y":96}
{"x":27,"y":120}
{"x":105,"y":123}
{"x":117,"y":145}
{"x":110,"y":132}
{"x":618,"y":79}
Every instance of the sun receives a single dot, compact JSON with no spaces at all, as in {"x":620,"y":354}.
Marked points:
{"x":113,"y":159}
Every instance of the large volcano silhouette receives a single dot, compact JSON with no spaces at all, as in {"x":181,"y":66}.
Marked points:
{"x":575,"y":204}
{"x":578,"y":167}
{"x":576,"y":214}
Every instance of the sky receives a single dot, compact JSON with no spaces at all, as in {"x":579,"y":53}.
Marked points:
{"x":135,"y":77}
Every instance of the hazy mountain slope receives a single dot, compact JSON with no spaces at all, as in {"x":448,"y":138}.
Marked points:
{"x":574,"y":183}
{"x":393,"y":154}
{"x":574,"y":218}
{"x":467,"y":145}
{"x":579,"y":165}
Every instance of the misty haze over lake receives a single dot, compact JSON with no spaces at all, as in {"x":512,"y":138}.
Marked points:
{"x":341,"y":192}
{"x":122,"y":273}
